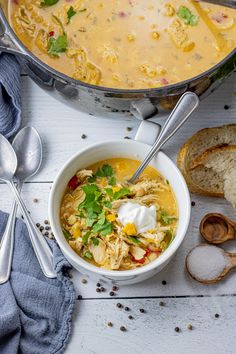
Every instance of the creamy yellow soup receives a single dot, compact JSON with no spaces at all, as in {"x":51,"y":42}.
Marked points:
{"x":114,"y":225}
{"x":125,"y":43}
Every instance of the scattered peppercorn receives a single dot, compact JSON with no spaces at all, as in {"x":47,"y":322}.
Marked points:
{"x":52,"y":234}
{"x":110,"y":324}
{"x":79,"y":297}
{"x":102,"y":289}
{"x":46,"y":233}
{"x":217,"y":315}
{"x":127,"y":308}
{"x":142,"y":310}
{"x":128,"y":129}
{"x":35,"y":200}
{"x":177,"y":329}
{"x":163,"y":282}
{"x":84,"y":281}
{"x":111,"y":293}
{"x":41,"y":228}
{"x":46,"y":222}
{"x":193,"y":203}
{"x":123,"y":329}
{"x":98,"y":290}
{"x":190,"y":327}
{"x":226,"y":107}
{"x":130,"y":317}
{"x":115,"y":288}
{"x":127,"y":137}
{"x":47,"y":227}
{"x":83,"y":136}
{"x":161,"y":303}
{"x":119,"y":305}
{"x":38,"y":224}
{"x":98,"y":285}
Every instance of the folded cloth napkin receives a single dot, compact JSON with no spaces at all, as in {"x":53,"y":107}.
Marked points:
{"x":36,"y":312}
{"x":10,"y":99}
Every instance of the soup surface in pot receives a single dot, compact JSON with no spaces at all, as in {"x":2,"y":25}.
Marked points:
{"x":115,"y":226}
{"x":129,"y":44}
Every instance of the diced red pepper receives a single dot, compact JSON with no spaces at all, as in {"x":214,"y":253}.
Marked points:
{"x":164,"y":81}
{"x":73,"y":183}
{"x":142,"y":260}
{"x":51,"y":34}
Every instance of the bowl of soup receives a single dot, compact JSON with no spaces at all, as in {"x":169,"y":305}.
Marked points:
{"x":109,"y":229}
{"x":101,"y":56}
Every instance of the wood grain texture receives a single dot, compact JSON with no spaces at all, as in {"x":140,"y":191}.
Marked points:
{"x":186,"y":301}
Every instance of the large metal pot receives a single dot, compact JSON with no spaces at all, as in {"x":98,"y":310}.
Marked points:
{"x":101,"y":101}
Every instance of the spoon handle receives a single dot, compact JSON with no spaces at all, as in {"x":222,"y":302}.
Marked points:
{"x":7,"y":246}
{"x":41,"y":248}
{"x":226,"y":3}
{"x":184,"y":107}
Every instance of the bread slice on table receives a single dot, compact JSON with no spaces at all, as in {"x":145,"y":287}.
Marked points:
{"x":200,"y":179}
{"x":222,"y":160}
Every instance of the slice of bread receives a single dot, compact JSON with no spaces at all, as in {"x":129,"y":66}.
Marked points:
{"x":200,"y":179}
{"x":222,"y":160}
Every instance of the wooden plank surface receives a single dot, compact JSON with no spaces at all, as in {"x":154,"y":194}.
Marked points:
{"x":186,"y":301}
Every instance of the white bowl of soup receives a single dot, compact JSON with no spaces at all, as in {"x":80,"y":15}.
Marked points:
{"x":112,"y":230}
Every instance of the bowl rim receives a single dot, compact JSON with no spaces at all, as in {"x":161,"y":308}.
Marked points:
{"x":166,"y":255}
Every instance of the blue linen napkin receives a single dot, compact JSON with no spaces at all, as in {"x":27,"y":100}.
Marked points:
{"x":36,"y":312}
{"x":10,"y":95}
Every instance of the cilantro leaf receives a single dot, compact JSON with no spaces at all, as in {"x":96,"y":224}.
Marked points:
{"x":122,"y":193}
{"x":95,"y":241}
{"x":93,"y":195}
{"x":189,"y":18}
{"x":165,"y":218}
{"x":45,"y":3}
{"x":70,"y":13}
{"x":109,"y":191}
{"x":104,"y":229}
{"x":134,"y":240}
{"x":107,"y":204}
{"x":104,"y":171}
{"x":67,"y":235}
{"x":88,"y":255}
{"x":57,"y":45}
{"x":85,"y":237}
{"x":112,"y":181}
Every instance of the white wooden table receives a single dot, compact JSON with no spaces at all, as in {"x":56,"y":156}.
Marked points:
{"x":186,"y":302}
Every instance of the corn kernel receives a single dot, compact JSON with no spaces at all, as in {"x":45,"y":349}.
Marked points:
{"x":76,"y":230}
{"x":111,"y":217}
{"x":130,"y":229}
{"x":155,"y":35}
{"x":115,"y":189}
{"x":130,"y":37}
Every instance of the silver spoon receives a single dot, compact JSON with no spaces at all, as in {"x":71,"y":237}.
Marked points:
{"x":226,"y":3}
{"x":187,"y":103}
{"x":8,"y":167}
{"x":28,"y":148}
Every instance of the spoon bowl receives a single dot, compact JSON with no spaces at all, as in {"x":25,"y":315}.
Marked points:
{"x":216,"y":228}
{"x":8,"y":160}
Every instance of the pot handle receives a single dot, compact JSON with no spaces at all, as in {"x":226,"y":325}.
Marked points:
{"x":147,"y":132}
{"x":7,"y":42}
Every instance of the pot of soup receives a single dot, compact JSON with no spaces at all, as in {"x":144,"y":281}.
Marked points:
{"x":120,"y":57}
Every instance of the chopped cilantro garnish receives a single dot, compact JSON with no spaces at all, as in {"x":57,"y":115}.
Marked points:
{"x":45,"y":3}
{"x":108,"y":204}
{"x":165,"y":218}
{"x":66,"y":234}
{"x":57,"y":45}
{"x":112,"y":181}
{"x":104,"y":229}
{"x":189,"y":18}
{"x":85,"y":237}
{"x":123,"y":192}
{"x":105,"y":171}
{"x":83,"y":10}
{"x":134,"y":240}
{"x":109,"y":191}
{"x":70,"y":13}
{"x":95,"y":241}
{"x":91,"y":201}
{"x":88,"y":255}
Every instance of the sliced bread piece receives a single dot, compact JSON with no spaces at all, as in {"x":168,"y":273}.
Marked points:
{"x":195,"y":146}
{"x":221,"y":160}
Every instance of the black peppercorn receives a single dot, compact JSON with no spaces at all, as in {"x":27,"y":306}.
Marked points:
{"x":47,"y":228}
{"x":127,"y":137}
{"x":163,"y":282}
{"x":115,"y":288}
{"x":128,"y":129}
{"x":226,"y":107}
{"x":46,"y":222}
{"x":111,"y":293}
{"x":102,"y":289}
{"x":190,"y":327}
{"x":98,"y":285}
{"x":110,"y":324}
{"x":46,"y":233}
{"x":84,"y":281}
{"x":161,"y":303}
{"x":79,"y":297}
{"x":123,"y":329}
{"x":142,"y":310}
{"x":217,"y":315}
{"x":41,"y":228}
{"x":98,"y":290}
{"x":119,"y":305}
{"x":177,"y":329}
{"x":130,"y":317}
{"x":38,"y":224}
{"x":127,"y":308}
{"x":83,"y":136}
{"x":193,"y":203}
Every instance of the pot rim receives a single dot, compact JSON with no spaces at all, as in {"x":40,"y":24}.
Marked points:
{"x":27,"y":53}
{"x":76,"y":259}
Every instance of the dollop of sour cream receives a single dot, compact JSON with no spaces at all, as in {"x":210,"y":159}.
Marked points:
{"x":142,"y":217}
